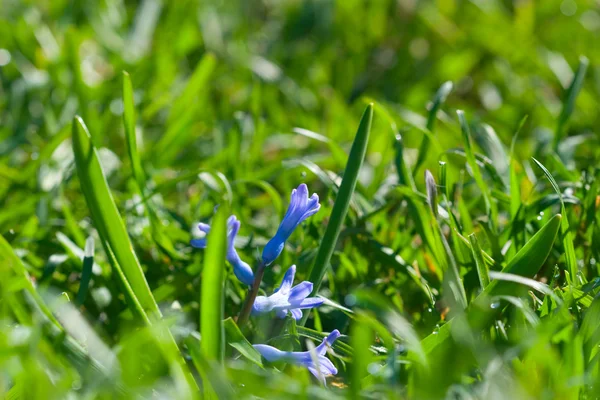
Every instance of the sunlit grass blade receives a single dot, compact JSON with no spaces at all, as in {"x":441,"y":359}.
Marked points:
{"x":211,"y":295}
{"x":431,"y":188}
{"x":340,"y":207}
{"x":129,"y":119}
{"x":131,"y":140}
{"x":236,"y":339}
{"x":362,"y":337}
{"x":567,"y":236}
{"x":211,"y":302}
{"x":569,"y":100}
{"x":106,"y":217}
{"x":115,"y":240}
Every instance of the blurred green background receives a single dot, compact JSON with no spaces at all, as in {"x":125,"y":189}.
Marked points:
{"x":244,"y":100}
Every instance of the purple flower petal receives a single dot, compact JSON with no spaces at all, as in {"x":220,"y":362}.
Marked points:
{"x":300,"y":292}
{"x":296,"y":314}
{"x":270,"y":353}
{"x":310,"y":302}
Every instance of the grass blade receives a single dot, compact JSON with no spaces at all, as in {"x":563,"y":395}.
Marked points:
{"x":236,"y":339}
{"x":340,"y":207}
{"x":569,"y":247}
{"x":129,"y":123}
{"x":163,"y":242}
{"x":86,"y":275}
{"x":106,"y":216}
{"x":211,"y":300}
{"x":482,"y":268}
{"x":116,"y":243}
{"x":211,"y":295}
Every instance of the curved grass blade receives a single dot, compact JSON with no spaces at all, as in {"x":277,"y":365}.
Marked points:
{"x":567,"y":236}
{"x":106,"y":217}
{"x":116,"y":243}
{"x":340,"y":207}
{"x":236,"y":339}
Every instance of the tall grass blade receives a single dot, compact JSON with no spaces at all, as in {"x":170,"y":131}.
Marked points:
{"x":342,"y":202}
{"x":106,"y":217}
{"x":567,"y":236}
{"x":211,"y":295}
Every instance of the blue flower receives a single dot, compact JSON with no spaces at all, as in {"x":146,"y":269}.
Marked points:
{"x":323,"y":366}
{"x":241,"y":269}
{"x":287,"y":298}
{"x":300,"y":208}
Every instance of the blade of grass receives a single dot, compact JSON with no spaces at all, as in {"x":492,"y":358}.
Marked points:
{"x":482,"y":269}
{"x":211,"y":300}
{"x":211,"y":295}
{"x":129,"y":123}
{"x":105,"y":215}
{"x":567,"y":236}
{"x":342,"y":202}
{"x":115,"y":239}
{"x":86,"y":275}
{"x":236,"y":339}
{"x":129,"y":118}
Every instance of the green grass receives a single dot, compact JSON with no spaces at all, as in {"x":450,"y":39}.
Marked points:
{"x":453,"y":145}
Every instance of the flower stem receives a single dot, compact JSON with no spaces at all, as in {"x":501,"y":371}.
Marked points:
{"x":247,"y":308}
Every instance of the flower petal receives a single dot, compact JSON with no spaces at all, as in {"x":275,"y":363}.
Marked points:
{"x":300,"y":292}
{"x":288,"y":281}
{"x":320,"y":377}
{"x":310,"y":302}
{"x":269,"y":353}
{"x":326,"y":366}
{"x":328,"y":342}
{"x":198,"y":243}
{"x":296,"y":314}
{"x":203,"y":227}
{"x":262,"y":304}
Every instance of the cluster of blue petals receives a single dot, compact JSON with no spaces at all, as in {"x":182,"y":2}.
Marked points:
{"x":286,"y":298}
{"x":316,"y":362}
